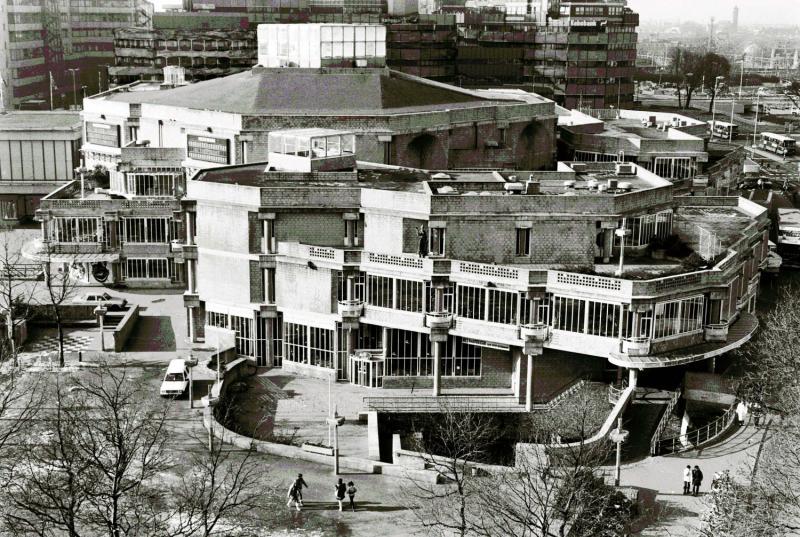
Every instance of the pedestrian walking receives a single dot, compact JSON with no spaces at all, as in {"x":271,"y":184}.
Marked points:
{"x":741,"y":412}
{"x":292,"y":494}
{"x":299,"y":483}
{"x":687,"y":479}
{"x":697,"y":480}
{"x":351,"y":493}
{"x":340,"y":489}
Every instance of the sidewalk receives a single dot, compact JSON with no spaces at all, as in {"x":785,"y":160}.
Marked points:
{"x":660,"y":480}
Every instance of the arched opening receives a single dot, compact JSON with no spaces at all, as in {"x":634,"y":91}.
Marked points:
{"x":532,"y":151}
{"x":422,"y":151}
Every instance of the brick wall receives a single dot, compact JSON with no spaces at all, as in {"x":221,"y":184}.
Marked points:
{"x":410,"y":234}
{"x":320,"y":229}
{"x":256,"y":283}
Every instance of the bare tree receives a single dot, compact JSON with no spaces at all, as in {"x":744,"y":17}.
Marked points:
{"x":556,"y":489}
{"x":221,"y":488}
{"x":693,"y":68}
{"x":16,"y":294}
{"x":450,"y":442}
{"x":60,"y":287}
{"x":51,"y":479}
{"x":124,"y":443}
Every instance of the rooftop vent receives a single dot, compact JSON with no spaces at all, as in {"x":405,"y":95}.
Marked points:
{"x":624,"y":186}
{"x":625,"y":168}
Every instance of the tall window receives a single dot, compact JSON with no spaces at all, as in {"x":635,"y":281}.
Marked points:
{"x":603,"y":319}
{"x":380,"y":291}
{"x":409,"y":295}
{"x":321,"y":347}
{"x":535,"y":311}
{"x":145,"y":230}
{"x":568,"y":314}
{"x":502,"y":306}
{"x":244,"y":335}
{"x":76,"y":230}
{"x":471,"y":302}
{"x":295,"y":342}
{"x":436,"y":242}
{"x":678,"y":317}
{"x":523,"y":242}
{"x":359,"y":285}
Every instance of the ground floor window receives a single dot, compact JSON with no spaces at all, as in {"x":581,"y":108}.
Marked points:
{"x":308,"y":345}
{"x":219,"y":320}
{"x":321,"y":347}
{"x":263,"y":341}
{"x":8,"y":210}
{"x":243,"y":327}
{"x":149,"y":268}
{"x":410,"y":354}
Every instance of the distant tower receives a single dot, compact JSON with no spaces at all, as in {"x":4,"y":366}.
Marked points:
{"x":711,"y":35}
{"x":735,"y":21}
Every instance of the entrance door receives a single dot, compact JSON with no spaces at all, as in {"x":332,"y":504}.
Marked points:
{"x":366,"y":372}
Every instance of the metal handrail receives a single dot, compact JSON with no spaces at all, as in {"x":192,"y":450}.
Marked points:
{"x":614,"y":392}
{"x":427,"y":404}
{"x":655,"y":442}
{"x":699,"y":436}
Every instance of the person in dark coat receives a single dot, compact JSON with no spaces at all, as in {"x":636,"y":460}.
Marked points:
{"x":697,"y":480}
{"x":299,"y":483}
{"x":351,"y":492}
{"x":341,"y":490}
{"x":422,"y":244}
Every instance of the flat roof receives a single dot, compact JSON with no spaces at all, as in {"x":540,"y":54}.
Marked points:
{"x":265,"y":91}
{"x":40,"y":120}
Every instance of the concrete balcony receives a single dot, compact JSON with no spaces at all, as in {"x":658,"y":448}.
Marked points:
{"x":439,"y":320}
{"x":191,"y":300}
{"x":715,"y":332}
{"x":535,"y":332}
{"x":350,"y":308}
{"x":739,"y":333}
{"x":636,"y":346}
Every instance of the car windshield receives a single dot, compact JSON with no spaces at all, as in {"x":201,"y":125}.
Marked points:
{"x":174,"y":377}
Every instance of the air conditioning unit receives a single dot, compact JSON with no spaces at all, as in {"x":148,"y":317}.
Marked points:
{"x":625,"y":168}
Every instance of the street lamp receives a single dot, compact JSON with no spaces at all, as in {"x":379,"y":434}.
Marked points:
{"x":190,"y":362}
{"x":101,"y":311}
{"x":618,"y":436}
{"x":335,"y":421}
{"x":755,"y":127}
{"x":74,"y":70}
{"x":621,"y":232}
{"x":81,"y":170}
{"x":714,"y":105}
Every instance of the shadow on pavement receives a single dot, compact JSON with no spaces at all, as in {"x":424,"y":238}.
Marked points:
{"x":151,"y":334}
{"x":654,"y":512}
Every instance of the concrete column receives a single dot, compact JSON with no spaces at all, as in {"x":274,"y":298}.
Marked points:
{"x":635,"y":324}
{"x":529,"y":384}
{"x":190,"y":314}
{"x":269,"y":359}
{"x":44,"y":230}
{"x":350,"y":288}
{"x":438,"y":299}
{"x":608,"y":244}
{"x":633,"y":376}
{"x":437,"y":368}
{"x":350,"y":348}
{"x":189,"y":276}
{"x":385,"y":341}
{"x":268,"y":299}
{"x":348,"y":233}
{"x":190,"y":228}
{"x":265,"y":236}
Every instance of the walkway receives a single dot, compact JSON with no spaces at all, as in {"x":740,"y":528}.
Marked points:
{"x":659,"y":480}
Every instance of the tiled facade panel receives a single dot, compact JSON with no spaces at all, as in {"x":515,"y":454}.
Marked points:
{"x":319,"y":229}
{"x":300,"y":287}
{"x":563,"y":242}
{"x":256,"y":283}
{"x":383,"y":233}
{"x":220,"y":228}
{"x":225,"y":279}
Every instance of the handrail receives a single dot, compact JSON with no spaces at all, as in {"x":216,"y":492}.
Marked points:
{"x":614,"y":392}
{"x":699,"y":436}
{"x":432,"y":404}
{"x":662,"y":423}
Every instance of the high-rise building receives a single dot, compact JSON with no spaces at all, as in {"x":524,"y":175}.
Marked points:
{"x":60,"y":45}
{"x":735,"y":20}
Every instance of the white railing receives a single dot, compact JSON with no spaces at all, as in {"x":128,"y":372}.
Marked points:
{"x":663,"y":422}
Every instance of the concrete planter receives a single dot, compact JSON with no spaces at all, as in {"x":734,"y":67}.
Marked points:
{"x":319,"y":450}
{"x":636,"y":346}
{"x":439,"y":320}
{"x":715,"y":332}
{"x":350,"y":308}
{"x":538,"y":332}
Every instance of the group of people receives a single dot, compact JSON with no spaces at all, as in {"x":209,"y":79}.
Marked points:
{"x":295,"y":493}
{"x":692,"y":479}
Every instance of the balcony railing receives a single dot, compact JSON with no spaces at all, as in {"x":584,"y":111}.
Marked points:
{"x":350,"y":308}
{"x":537,"y":332}
{"x":655,"y":442}
{"x":716,"y":332}
{"x":697,"y":437}
{"x":636,"y":346}
{"x":442,"y":320}
{"x":431,"y":404}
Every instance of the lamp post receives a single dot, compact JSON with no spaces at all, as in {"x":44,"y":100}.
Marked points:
{"x":190,"y":362}
{"x":755,"y":127}
{"x":335,"y":421}
{"x":621,"y":232}
{"x":618,"y":436}
{"x":74,"y":70}
{"x":81,"y":170}
{"x":101,"y":311}
{"x":741,"y":78}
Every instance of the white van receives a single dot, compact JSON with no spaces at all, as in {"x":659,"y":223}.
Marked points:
{"x":176,"y":379}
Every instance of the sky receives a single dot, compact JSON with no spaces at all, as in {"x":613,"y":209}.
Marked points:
{"x":750,"y":11}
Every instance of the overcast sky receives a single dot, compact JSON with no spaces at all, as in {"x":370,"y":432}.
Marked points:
{"x":750,"y":11}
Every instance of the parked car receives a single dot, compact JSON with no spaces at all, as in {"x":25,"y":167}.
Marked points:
{"x":176,"y":379}
{"x":95,"y":299}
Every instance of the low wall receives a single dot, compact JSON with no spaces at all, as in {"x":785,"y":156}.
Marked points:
{"x":70,"y":314}
{"x":124,"y":328}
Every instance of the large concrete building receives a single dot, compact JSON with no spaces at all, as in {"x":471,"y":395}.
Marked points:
{"x":398,"y":119}
{"x":44,"y":38}
{"x":39,"y":152}
{"x":392,"y":277}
